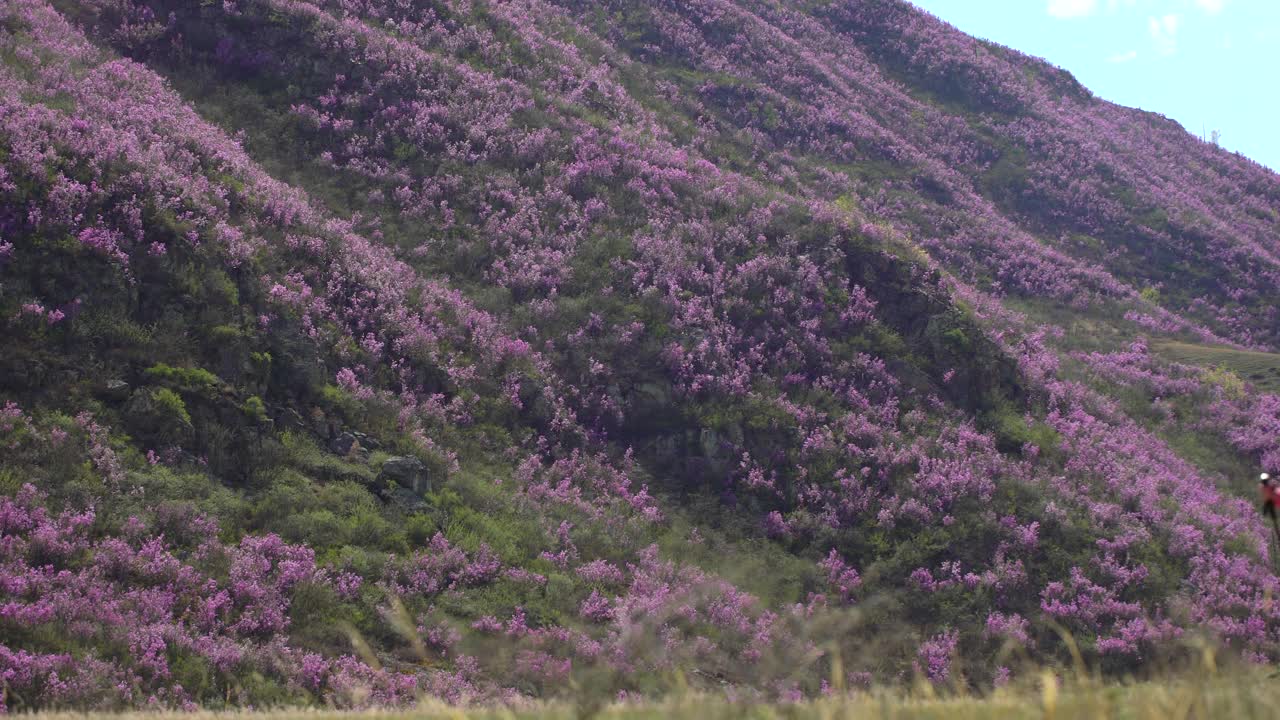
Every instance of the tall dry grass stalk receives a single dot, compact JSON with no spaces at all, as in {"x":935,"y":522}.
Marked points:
{"x":1252,"y":695}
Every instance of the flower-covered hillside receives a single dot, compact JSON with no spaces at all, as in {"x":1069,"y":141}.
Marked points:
{"x":363,"y":349}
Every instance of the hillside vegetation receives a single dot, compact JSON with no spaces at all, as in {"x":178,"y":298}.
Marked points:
{"x":360,"y":351}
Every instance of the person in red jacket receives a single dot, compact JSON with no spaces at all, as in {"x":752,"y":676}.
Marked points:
{"x":1270,"y":496}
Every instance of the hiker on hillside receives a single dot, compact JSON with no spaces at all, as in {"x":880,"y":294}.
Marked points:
{"x":1270,"y":496}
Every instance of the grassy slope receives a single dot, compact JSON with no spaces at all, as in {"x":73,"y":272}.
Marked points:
{"x":1106,"y":332}
{"x":1260,"y":369}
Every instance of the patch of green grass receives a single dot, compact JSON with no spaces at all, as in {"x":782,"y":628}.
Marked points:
{"x":303,"y":453}
{"x":1259,"y":369}
{"x":191,"y":379}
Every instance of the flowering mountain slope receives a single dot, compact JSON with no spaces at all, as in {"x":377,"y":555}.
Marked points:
{"x":360,"y":349}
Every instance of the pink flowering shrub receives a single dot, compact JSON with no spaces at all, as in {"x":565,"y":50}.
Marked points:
{"x":935,"y":656}
{"x":441,"y":567}
{"x":844,"y":579}
{"x":156,"y":604}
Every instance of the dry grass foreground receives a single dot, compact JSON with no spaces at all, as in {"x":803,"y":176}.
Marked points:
{"x":1248,"y":695}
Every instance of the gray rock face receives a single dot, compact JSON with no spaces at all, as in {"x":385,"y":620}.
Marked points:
{"x":343,"y":443}
{"x":117,"y":389}
{"x":668,"y":447}
{"x":709,"y":442}
{"x":409,"y":473}
{"x":654,"y":394}
{"x":366,"y":442}
{"x":717,"y":446}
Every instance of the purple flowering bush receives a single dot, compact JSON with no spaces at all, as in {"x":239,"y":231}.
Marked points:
{"x":132,"y":619}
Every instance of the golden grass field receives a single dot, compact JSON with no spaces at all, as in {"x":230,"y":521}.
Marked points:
{"x":1250,"y":695}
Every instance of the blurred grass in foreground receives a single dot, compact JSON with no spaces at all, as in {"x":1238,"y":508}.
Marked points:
{"x":1250,"y":694}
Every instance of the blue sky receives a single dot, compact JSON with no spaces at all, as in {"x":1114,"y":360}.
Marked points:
{"x":1208,"y":64}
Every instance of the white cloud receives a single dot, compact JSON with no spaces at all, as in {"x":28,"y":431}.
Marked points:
{"x":1213,"y":7}
{"x":1064,"y":9}
{"x":1164,"y":32}
{"x":1123,"y":57}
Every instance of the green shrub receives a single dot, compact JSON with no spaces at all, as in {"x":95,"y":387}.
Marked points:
{"x":327,"y":516}
{"x":222,"y":288}
{"x":255,"y":409}
{"x":189,"y":379}
{"x":260,"y":359}
{"x":420,"y":529}
{"x":516,"y":539}
{"x":334,"y":398}
{"x":222,"y":334}
{"x":957,"y":340}
{"x":1013,"y":431}
{"x":169,"y":407}
{"x":115,"y":329}
{"x":1228,"y":381}
{"x":196,"y":675}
